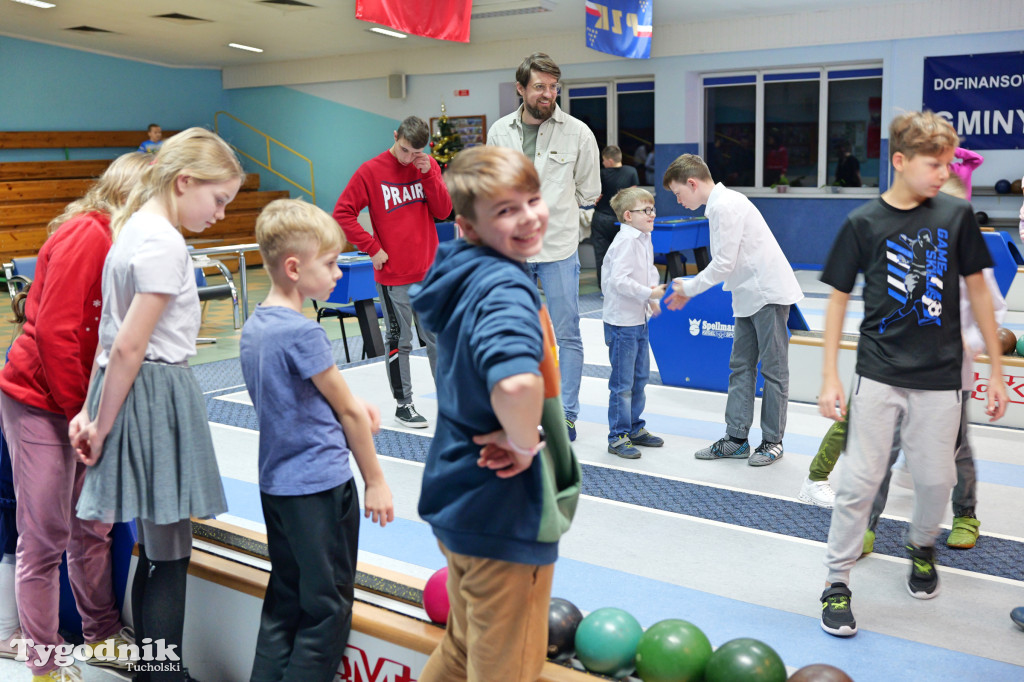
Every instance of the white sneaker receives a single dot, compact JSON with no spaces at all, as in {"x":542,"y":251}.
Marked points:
{"x":70,"y":673}
{"x":818,"y":493}
{"x":114,"y":651}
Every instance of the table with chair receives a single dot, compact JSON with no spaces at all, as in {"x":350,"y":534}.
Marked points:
{"x":353,"y":297}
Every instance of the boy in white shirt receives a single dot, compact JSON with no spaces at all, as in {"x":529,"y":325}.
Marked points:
{"x":631,"y":294}
{"x":746,"y":257}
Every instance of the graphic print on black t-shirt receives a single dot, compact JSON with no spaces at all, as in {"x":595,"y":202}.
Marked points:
{"x":916,"y":268}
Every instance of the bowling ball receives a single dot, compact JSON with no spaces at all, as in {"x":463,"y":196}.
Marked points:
{"x":563,"y":620}
{"x":435,"y":597}
{"x":819,"y":672}
{"x":1007,"y":340}
{"x":606,"y":642}
{"x":1003,"y":187}
{"x":672,"y":651}
{"x":981,"y":217}
{"x":1020,"y":345}
{"x":745,"y":660}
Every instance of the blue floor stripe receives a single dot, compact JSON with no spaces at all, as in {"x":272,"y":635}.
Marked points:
{"x":798,"y":639}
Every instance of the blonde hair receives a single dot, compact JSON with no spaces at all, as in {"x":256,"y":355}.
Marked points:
{"x":684,"y":168}
{"x":197,"y":153}
{"x":287,"y":226}
{"x":921,"y":132}
{"x":486,"y":171}
{"x":954,"y":186}
{"x":629,"y":198}
{"x":109,"y":192}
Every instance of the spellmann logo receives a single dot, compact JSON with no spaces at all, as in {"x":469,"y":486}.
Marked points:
{"x":699,"y":327}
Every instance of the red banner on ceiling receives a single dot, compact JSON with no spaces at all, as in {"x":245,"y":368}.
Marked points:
{"x":441,"y":19}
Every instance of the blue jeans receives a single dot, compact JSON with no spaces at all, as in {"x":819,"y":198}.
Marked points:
{"x":630,"y":355}
{"x":561,"y":282}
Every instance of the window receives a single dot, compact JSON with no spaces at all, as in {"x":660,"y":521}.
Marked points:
{"x":804,"y":127}
{"x":625,"y":118}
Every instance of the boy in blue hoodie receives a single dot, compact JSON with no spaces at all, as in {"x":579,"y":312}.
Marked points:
{"x":497,"y":492}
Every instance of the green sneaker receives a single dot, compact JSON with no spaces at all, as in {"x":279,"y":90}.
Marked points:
{"x":965,"y":532}
{"x":869,"y":542}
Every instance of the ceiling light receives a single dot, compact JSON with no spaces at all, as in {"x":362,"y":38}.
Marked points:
{"x":239,"y":46}
{"x":37,"y":3}
{"x":386,"y":32}
{"x":505,"y":8}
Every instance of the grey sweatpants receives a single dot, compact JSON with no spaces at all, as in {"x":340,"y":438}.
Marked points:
{"x":931,"y":420}
{"x":965,"y":492}
{"x":763,"y":337}
{"x":398,"y":320}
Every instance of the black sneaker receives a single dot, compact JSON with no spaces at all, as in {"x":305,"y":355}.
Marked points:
{"x":571,"y":428}
{"x":923,"y":582}
{"x":406,"y":415}
{"x":836,"y":613}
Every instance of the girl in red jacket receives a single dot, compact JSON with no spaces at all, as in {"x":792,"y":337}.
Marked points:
{"x":42,"y":386}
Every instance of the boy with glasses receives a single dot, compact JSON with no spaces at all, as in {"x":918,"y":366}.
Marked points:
{"x":632,"y":292}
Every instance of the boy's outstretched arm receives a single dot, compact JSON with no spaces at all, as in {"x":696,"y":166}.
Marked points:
{"x":981,"y":306}
{"x":356,"y":421}
{"x":518,"y":402}
{"x":831,"y":387}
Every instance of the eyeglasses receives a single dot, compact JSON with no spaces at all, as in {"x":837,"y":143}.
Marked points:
{"x":646,"y":211}
{"x":540,"y":88}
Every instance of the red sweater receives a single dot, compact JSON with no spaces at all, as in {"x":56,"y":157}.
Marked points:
{"x":403,"y":203}
{"x":50,"y":362}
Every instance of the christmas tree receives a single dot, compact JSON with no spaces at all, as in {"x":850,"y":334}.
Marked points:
{"x":446,"y":142}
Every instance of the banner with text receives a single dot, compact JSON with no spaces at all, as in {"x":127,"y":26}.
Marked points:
{"x":982,"y":95}
{"x":620,"y":27}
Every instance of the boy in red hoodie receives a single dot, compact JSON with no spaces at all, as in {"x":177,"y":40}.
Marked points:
{"x":404,"y":191}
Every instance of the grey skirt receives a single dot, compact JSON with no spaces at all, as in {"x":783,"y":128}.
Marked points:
{"x":158,"y":461}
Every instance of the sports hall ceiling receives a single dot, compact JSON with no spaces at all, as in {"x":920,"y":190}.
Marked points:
{"x":289,"y":29}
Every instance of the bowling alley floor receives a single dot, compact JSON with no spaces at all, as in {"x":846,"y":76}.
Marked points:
{"x":721,"y":544}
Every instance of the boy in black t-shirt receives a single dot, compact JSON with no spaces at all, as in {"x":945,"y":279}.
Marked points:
{"x":912,"y":244}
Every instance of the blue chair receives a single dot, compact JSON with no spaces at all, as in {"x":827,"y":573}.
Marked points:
{"x":18,"y":273}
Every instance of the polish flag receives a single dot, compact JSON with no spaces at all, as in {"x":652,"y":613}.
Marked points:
{"x":592,"y":10}
{"x":643,"y":31}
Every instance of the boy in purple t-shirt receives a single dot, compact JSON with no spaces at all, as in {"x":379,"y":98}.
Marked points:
{"x":309,"y":422}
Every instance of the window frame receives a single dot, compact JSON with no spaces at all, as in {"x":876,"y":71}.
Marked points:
{"x":823,"y":73}
{"x":611,"y":85}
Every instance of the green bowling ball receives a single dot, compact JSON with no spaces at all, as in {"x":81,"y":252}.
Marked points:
{"x":1020,"y":345}
{"x":745,"y":660}
{"x":672,"y":651}
{"x":606,"y":642}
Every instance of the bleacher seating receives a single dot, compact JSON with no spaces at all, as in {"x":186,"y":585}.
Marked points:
{"x":34,"y":192}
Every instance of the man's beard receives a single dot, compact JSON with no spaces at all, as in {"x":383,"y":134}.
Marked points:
{"x":540,"y":114}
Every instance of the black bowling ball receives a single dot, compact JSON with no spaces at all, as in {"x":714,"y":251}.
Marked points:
{"x":563,"y":619}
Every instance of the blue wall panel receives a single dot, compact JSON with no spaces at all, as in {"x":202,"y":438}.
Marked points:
{"x":45,"y":87}
{"x":806,"y":228}
{"x":665,"y":154}
{"x":337,"y":138}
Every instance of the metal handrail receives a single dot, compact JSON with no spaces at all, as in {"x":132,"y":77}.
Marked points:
{"x":311,"y":190}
